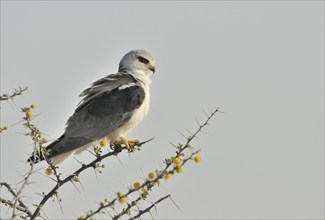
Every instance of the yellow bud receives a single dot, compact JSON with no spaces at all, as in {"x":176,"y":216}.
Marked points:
{"x":197,"y":159}
{"x":158,"y":182}
{"x":103,"y":143}
{"x":82,"y":217}
{"x":177,"y":161}
{"x":151,"y":175}
{"x":119,"y":194}
{"x":32,"y":106}
{"x":122,"y":200}
{"x":179,"y":169}
{"x":136,"y":185}
{"x":44,"y":140}
{"x":48,"y":171}
{"x":28,"y":115}
{"x":168,"y":176}
{"x":75,"y":179}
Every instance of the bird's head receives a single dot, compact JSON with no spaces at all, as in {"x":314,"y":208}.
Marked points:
{"x":137,"y":60}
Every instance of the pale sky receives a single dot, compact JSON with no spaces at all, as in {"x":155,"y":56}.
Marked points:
{"x":261,"y":62}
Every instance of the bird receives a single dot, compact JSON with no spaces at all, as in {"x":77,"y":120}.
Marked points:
{"x":111,"y":107}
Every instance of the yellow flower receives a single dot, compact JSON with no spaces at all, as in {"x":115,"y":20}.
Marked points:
{"x":177,"y":161}
{"x":48,"y":171}
{"x":197,"y":159}
{"x":103,"y":143}
{"x":28,"y":115}
{"x":136,"y":185}
{"x":82,"y":217}
{"x":179,"y":169}
{"x":151,"y":175}
{"x":122,"y":200}
{"x":168,"y":176}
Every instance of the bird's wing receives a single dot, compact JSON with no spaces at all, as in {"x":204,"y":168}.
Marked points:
{"x":105,"y":84}
{"x":108,"y":104}
{"x":102,"y":115}
{"x":105,"y":113}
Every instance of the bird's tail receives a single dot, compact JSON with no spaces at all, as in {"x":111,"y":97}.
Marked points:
{"x":40,"y":154}
{"x":60,"y":149}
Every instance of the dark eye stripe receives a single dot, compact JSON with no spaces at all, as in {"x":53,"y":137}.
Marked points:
{"x":143,"y":60}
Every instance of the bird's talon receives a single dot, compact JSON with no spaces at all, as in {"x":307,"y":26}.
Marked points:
{"x":134,"y":142}
{"x":129,"y":144}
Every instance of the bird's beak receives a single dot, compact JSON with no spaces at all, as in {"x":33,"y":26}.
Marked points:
{"x":152,"y":68}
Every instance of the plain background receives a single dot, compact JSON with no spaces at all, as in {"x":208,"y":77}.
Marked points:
{"x":262,"y":62}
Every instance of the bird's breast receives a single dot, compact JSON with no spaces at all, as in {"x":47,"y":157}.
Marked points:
{"x":136,"y":118}
{"x":141,"y":112}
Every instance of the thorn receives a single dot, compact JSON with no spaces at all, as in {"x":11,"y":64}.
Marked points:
{"x":82,"y":187}
{"x":196,"y":137}
{"x":175,"y":204}
{"x":58,"y":198}
{"x":172,"y":144}
{"x":181,"y":134}
{"x":189,"y":131}
{"x":206,"y":114}
{"x":75,"y":186}
{"x":204,"y":132}
{"x":78,"y":160}
{"x":144,"y":142}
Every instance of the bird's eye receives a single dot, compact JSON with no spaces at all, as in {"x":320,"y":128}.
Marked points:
{"x":143,"y":60}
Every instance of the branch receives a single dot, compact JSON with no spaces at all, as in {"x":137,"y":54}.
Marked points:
{"x":71,"y":177}
{"x":38,"y":141}
{"x":146,"y":187}
{"x":17,"y":92}
{"x":150,"y":183}
{"x":16,"y":199}
{"x":19,"y":207}
{"x":36,"y":137}
{"x":3,"y":128}
{"x":22,"y":207}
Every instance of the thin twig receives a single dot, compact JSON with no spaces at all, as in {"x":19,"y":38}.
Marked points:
{"x":141,"y":212}
{"x":16,"y":199}
{"x":17,"y":92}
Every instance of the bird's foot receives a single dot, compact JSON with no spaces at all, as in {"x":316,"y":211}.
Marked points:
{"x":129,"y":144}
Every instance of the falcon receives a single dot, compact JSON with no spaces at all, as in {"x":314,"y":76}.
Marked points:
{"x":111,"y":107}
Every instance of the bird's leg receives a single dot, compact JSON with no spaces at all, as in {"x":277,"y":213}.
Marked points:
{"x":128,"y":143}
